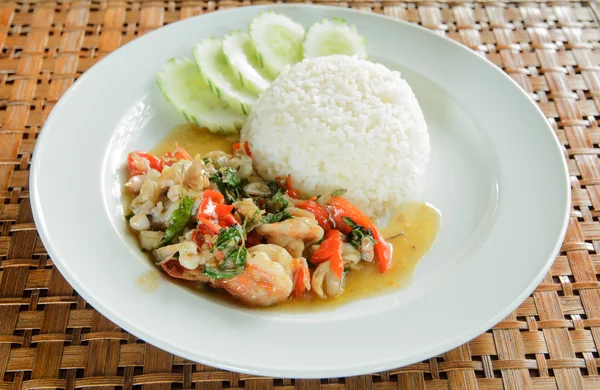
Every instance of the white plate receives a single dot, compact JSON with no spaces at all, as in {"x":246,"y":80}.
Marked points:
{"x":497,"y":175}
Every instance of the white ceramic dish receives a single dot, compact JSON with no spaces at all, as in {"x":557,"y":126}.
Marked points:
{"x":497,"y":175}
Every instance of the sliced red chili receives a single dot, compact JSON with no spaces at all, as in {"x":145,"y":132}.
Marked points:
{"x":237,"y":145}
{"x":321,"y":215}
{"x":199,"y":234}
{"x":290,"y":189}
{"x":330,"y":249}
{"x":215,"y":196}
{"x":339,"y":207}
{"x":182,"y":154}
{"x":152,"y":161}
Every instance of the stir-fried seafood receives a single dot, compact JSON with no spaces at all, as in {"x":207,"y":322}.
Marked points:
{"x":212,"y":219}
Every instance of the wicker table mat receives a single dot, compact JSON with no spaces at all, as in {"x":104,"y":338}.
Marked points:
{"x":51,"y":338}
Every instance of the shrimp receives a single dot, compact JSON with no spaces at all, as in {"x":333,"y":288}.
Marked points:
{"x":192,"y":260}
{"x":218,"y":158}
{"x":174,"y":269}
{"x":293,"y":234}
{"x":197,"y":177}
{"x":268,"y":278}
{"x":325,"y":283}
{"x":351,"y":256}
{"x":148,"y":195}
{"x":134,"y":184}
{"x":243,"y":164}
{"x":150,"y":240}
{"x":248,"y":209}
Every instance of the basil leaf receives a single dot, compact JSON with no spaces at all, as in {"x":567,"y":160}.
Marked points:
{"x":129,"y":216}
{"x":229,"y":237}
{"x":231,"y":177}
{"x":216,"y":274}
{"x":273,"y":186}
{"x":232,"y":240}
{"x":350,"y":222}
{"x":279,"y":201}
{"x":358,"y":233}
{"x":278,"y":217}
{"x":229,"y":184}
{"x":235,"y":259}
{"x":179,"y":219}
{"x":339,"y":192}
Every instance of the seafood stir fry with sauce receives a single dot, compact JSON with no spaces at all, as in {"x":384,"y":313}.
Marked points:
{"x":212,"y":219}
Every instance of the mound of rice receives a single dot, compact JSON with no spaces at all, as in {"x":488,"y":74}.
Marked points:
{"x":339,"y":122}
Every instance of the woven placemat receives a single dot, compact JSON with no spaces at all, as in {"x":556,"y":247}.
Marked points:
{"x":51,"y":338}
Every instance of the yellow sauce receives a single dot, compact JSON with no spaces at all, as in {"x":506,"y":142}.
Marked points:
{"x":411,"y":230}
{"x":195,"y":141}
{"x":148,"y":282}
{"x":415,"y":227}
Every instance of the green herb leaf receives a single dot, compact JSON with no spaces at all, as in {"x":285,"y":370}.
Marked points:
{"x":350,"y":222}
{"x":276,"y":195}
{"x":231,"y":177}
{"x":179,"y":219}
{"x":230,"y":237}
{"x":232,"y":242}
{"x":278,"y":217}
{"x":216,"y":274}
{"x":339,"y":192}
{"x":273,"y":186}
{"x":129,"y":216}
{"x":229,"y":184}
{"x":358,"y":233}
{"x":279,"y":201}
{"x":235,"y":259}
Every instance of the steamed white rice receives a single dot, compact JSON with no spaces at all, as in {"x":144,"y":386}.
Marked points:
{"x":339,"y":122}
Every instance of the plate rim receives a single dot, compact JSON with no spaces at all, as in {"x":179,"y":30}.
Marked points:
{"x":368,"y":368}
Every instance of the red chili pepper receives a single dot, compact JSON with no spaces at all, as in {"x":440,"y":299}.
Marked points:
{"x":318,"y":211}
{"x":182,"y":154}
{"x":330,"y":249}
{"x":168,"y":159}
{"x":247,"y":148}
{"x":383,"y":251}
{"x":215,"y":196}
{"x":213,"y":211}
{"x":339,"y":207}
{"x":152,"y":161}
{"x":224,"y":213}
{"x":209,"y":224}
{"x":301,"y":278}
{"x":290,"y":190}
{"x":201,"y":231}
{"x":228,"y":220}
{"x":237,"y":145}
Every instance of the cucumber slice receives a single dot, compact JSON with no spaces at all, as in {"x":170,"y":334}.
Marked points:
{"x":239,"y":52}
{"x":333,"y":37}
{"x":183,"y":86}
{"x":277,"y":40}
{"x":222,"y":81}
